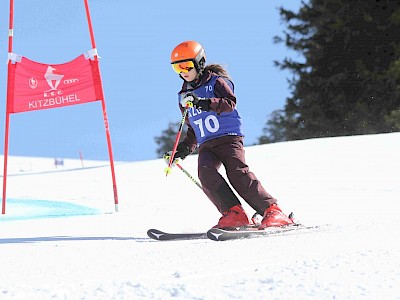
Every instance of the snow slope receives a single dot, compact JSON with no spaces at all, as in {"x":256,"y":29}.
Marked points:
{"x":60,"y":238}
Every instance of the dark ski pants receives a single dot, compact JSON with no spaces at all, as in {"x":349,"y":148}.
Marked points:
{"x":228,"y":151}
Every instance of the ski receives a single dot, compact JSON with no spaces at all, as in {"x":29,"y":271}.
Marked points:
{"x":165,"y":236}
{"x":217,"y":234}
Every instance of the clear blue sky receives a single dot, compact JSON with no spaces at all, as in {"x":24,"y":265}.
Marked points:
{"x":134,"y":40}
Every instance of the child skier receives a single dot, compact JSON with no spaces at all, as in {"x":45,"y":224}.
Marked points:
{"x":216,"y":126}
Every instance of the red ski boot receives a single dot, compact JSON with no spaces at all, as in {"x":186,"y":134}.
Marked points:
{"x":274,"y":217}
{"x":234,"y":217}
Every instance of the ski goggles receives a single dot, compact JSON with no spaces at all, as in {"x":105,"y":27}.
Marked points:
{"x":184,"y":66}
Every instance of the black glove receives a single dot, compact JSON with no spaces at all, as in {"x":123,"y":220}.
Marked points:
{"x":200,"y":103}
{"x":182,"y":151}
{"x":203,"y":104}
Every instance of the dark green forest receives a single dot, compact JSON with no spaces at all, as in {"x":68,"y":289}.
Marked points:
{"x":346,"y":80}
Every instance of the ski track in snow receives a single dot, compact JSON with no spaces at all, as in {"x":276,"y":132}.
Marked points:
{"x":350,"y":183}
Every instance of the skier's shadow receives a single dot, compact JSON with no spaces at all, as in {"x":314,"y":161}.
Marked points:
{"x":70,"y":238}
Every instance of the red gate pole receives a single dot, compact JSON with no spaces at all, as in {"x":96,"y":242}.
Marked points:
{"x":103,"y":105}
{"x":3,"y":206}
{"x":7,"y":126}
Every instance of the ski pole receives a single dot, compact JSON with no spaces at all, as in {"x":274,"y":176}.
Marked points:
{"x":178,"y":136}
{"x":176,"y":163}
{"x":190,"y":176}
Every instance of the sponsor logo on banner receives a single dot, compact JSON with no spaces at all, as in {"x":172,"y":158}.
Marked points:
{"x":53,"y":80}
{"x":54,"y":96}
{"x":33,"y":83}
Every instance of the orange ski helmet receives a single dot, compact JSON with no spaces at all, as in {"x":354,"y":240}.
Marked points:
{"x":190,"y":51}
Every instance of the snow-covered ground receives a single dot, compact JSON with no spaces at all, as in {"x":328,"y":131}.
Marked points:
{"x":61,"y":239}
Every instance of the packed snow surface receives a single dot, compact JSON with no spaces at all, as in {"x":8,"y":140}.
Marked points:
{"x":62,"y":239}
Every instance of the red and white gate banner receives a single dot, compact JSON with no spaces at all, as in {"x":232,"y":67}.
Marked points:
{"x":34,"y":86}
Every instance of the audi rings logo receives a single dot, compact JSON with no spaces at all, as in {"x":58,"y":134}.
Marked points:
{"x":70,"y":81}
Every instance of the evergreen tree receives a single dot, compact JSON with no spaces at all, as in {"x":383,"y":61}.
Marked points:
{"x":274,"y":131}
{"x":166,"y":140}
{"x":349,"y":80}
